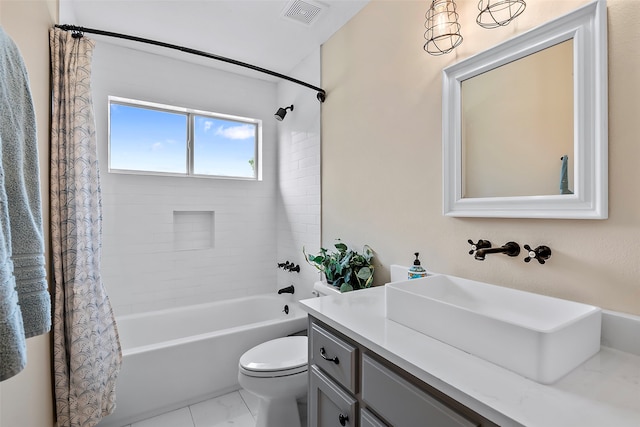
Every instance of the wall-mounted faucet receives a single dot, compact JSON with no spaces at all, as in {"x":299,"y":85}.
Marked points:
{"x":480,"y":249}
{"x":509,"y":248}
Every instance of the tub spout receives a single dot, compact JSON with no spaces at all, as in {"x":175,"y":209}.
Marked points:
{"x":287,"y":290}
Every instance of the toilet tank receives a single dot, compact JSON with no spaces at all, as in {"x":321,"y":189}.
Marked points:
{"x":322,"y":289}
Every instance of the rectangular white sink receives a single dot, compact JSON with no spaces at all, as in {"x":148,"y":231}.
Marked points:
{"x":540,"y":337}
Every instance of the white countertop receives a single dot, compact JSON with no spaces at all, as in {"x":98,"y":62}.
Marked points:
{"x":602,"y":392}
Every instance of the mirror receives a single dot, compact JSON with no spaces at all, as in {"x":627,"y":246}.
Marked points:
{"x":513,"y":137}
{"x":525,"y":124}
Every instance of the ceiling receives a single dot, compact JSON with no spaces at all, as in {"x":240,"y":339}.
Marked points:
{"x":252,"y":31}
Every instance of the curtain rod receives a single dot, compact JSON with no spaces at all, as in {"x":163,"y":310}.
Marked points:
{"x":78,"y":32}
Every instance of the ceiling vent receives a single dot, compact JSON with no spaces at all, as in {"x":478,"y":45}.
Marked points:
{"x":303,"y":11}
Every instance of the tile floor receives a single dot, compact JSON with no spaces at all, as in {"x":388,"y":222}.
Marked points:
{"x":236,"y":409}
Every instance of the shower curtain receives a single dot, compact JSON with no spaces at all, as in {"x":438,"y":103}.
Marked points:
{"x":86,"y":348}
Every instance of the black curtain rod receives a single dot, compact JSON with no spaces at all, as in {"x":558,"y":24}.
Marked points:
{"x":322,"y":94}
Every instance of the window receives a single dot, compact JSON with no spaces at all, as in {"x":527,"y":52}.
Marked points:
{"x":147,"y":138}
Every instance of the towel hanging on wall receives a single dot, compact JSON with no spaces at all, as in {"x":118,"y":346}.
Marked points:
{"x":25,"y":308}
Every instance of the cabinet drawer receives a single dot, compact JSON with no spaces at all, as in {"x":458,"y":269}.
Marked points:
{"x":334,"y":355}
{"x":329,"y":405}
{"x":367,"y":419}
{"x":401,"y":403}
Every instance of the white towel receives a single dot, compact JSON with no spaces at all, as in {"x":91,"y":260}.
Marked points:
{"x":22,"y":242}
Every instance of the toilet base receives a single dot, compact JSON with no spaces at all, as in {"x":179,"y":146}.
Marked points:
{"x":278,"y":412}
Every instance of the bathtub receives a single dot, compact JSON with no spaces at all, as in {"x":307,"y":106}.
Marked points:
{"x":179,"y":356}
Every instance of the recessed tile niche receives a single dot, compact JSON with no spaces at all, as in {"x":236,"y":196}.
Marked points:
{"x":193,"y":230}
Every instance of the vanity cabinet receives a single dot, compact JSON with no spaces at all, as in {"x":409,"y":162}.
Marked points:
{"x":402,"y":403}
{"x":334,"y":355}
{"x":367,"y":419}
{"x":349,"y":385}
{"x":332,"y":405}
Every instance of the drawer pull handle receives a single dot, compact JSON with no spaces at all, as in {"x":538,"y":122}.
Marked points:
{"x":344,"y":419}
{"x":324,"y":356}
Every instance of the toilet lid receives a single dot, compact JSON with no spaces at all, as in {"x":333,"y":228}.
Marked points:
{"x":286,"y":355}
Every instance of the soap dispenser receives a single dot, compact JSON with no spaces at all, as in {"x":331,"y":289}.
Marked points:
{"x":416,"y":271}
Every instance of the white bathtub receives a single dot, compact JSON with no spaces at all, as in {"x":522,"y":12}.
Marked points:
{"x":179,"y":356}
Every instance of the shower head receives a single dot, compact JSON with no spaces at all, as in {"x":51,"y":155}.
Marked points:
{"x":282,"y":112}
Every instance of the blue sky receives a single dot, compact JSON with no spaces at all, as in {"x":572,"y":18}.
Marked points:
{"x":145,"y":139}
{"x":223,"y":147}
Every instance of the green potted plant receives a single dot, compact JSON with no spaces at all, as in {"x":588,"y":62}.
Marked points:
{"x":343,"y":267}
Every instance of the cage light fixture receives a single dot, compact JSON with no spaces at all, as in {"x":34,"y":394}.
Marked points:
{"x":498,"y":13}
{"x":443,"y":28}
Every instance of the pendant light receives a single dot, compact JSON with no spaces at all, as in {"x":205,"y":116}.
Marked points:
{"x":443,"y":29}
{"x":498,"y":13}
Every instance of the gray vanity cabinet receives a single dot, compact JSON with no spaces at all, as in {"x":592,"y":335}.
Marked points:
{"x":349,"y":385}
{"x":367,"y":419}
{"x":334,"y":355}
{"x":401,"y":403}
{"x":332,"y":406}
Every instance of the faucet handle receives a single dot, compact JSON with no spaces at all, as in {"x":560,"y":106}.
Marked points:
{"x":482,"y":244}
{"x":541,"y":253}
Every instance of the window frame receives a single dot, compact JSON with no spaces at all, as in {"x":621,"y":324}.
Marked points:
{"x":190,"y":115}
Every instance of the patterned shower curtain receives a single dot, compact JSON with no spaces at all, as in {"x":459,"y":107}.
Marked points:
{"x":86,"y":348}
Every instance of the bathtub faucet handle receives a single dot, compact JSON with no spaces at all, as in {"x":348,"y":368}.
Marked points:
{"x":294,"y":268}
{"x":289,"y":266}
{"x":287,"y":290}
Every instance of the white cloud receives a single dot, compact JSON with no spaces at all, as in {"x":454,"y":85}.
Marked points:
{"x":236,"y":132}
{"x":160,"y":145}
{"x":207,"y":125}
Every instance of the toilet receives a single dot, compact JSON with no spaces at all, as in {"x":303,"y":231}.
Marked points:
{"x":276,"y":372}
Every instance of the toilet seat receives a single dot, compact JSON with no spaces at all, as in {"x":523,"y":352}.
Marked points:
{"x":276,"y":358}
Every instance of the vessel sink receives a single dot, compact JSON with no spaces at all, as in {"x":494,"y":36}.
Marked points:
{"x":539,"y":337}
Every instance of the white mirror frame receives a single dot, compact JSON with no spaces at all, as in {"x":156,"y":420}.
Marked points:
{"x":587,"y":26}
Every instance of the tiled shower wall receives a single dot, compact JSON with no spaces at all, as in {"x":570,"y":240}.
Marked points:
{"x":299,"y":176}
{"x":171,"y":241}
